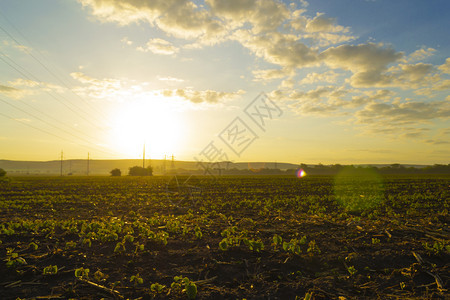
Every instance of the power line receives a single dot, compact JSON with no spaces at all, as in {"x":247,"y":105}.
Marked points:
{"x":45,"y":67}
{"x":33,"y":78}
{"x":47,"y":132}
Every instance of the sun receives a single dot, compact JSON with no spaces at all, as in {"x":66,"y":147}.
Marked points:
{"x":154,"y":121}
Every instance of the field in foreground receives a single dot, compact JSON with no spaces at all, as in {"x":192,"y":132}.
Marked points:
{"x":233,"y":238}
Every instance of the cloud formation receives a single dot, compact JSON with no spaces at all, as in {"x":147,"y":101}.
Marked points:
{"x":159,"y":46}
{"x":205,"y":96}
{"x":360,"y":81}
{"x":11,"y":92}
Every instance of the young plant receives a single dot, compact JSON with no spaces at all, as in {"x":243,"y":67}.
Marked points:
{"x":137,"y":279}
{"x":198,"y":232}
{"x":120,"y":248}
{"x":292,"y":247}
{"x":277,"y":241}
{"x":352,"y":270}
{"x":254,"y":245}
{"x":157,"y":288}
{"x":189,"y":288}
{"x":81,"y":273}
{"x":13,"y":259}
{"x":313,"y":248}
{"x":50,"y":270}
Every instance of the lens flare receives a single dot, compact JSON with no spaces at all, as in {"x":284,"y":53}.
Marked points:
{"x":301,"y":173}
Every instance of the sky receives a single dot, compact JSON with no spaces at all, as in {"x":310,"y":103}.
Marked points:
{"x":324,"y":81}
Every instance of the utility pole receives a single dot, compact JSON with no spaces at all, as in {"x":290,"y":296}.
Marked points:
{"x":143,"y":158}
{"x":173,"y":162}
{"x":164,"y":165}
{"x":87,"y":171}
{"x":61,"y":171}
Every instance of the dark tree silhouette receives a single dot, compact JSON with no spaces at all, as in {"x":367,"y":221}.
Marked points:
{"x":140,"y":171}
{"x":116,"y":172}
{"x":2,"y":172}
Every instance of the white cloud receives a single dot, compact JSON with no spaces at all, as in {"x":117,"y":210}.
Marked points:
{"x":179,"y":18}
{"x":205,"y":96}
{"x":328,"y":77}
{"x":445,"y":68}
{"x":320,"y":23}
{"x":270,"y":74}
{"x":419,"y":55}
{"x":170,"y":79}
{"x":12,"y":92}
{"x":405,"y":113}
{"x":106,"y":88}
{"x":126,"y":41}
{"x":368,"y":62}
{"x":159,"y":46}
{"x":280,"y":49}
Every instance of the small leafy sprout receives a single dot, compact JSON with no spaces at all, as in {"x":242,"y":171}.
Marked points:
{"x":198,"y":232}
{"x":99,"y":276}
{"x":375,"y":241}
{"x":137,"y":279}
{"x":157,"y":288}
{"x":223,"y":245}
{"x":70,"y":245}
{"x":189,"y":287}
{"x":292,"y":247}
{"x":402,"y":285}
{"x":352,"y":270}
{"x":87,"y":242}
{"x":13,"y":259}
{"x":33,"y":246}
{"x":120,"y":248}
{"x":302,"y":240}
{"x":437,"y":248}
{"x":277,"y":240}
{"x":313,"y":248}
{"x":81,"y":273}
{"x":50,"y":270}
{"x":128,"y":238}
{"x":254,"y":245}
{"x":139,"y":247}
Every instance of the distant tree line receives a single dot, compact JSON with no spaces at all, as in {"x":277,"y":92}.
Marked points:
{"x":134,"y":171}
{"x":319,"y":169}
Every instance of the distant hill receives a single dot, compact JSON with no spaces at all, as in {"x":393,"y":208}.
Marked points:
{"x":103,"y":167}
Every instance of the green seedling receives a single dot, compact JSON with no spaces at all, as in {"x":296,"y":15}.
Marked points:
{"x":437,"y":248}
{"x":50,"y":270}
{"x":120,"y":248}
{"x":292,"y":247}
{"x":137,"y":279}
{"x":189,"y":288}
{"x":277,"y":241}
{"x":157,"y":288}
{"x":375,"y":241}
{"x":13,"y":259}
{"x":254,"y":245}
{"x":223,"y":245}
{"x":33,"y":246}
{"x":352,"y":270}
{"x":70,"y":245}
{"x":313,"y":248}
{"x":100,"y":276}
{"x":198,"y":233}
{"x":81,"y":273}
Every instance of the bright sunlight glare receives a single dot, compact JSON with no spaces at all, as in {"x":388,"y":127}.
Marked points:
{"x":153,"y":122}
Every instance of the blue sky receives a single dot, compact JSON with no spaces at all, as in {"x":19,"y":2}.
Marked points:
{"x":357,"y":81}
